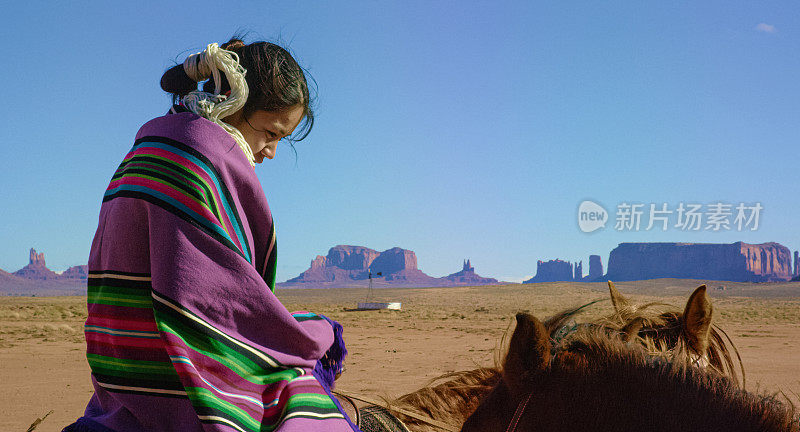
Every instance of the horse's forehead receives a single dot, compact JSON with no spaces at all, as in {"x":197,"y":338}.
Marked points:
{"x":600,"y":340}
{"x":562,"y":332}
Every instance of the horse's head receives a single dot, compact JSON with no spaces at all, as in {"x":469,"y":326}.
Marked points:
{"x":594,"y":380}
{"x":686,"y":334}
{"x":663,"y":330}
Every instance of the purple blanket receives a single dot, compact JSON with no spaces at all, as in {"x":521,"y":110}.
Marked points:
{"x":184,"y":332}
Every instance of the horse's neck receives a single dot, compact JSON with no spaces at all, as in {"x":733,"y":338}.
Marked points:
{"x":627,"y":396}
{"x":452,"y":401}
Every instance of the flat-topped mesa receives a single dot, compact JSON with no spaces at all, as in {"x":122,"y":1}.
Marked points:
{"x":400,"y":266}
{"x":394,"y":260}
{"x":354,"y":263}
{"x":553,"y":271}
{"x":351,"y":257}
{"x":741,"y":262}
{"x":393,"y":267}
{"x":77,"y":272}
{"x":343,"y":263}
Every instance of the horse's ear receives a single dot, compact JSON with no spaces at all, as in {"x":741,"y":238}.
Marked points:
{"x":631,"y":330}
{"x":528,"y":351}
{"x":617,"y":299}
{"x":697,"y":320}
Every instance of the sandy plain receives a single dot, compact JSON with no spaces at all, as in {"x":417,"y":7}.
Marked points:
{"x":438,"y":330}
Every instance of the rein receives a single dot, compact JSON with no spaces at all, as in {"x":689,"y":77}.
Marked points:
{"x":555,"y":344}
{"x":427,"y":420}
{"x":518,"y":413}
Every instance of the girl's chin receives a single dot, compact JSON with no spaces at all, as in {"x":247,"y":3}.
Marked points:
{"x":260,"y":156}
{"x":266,"y":153}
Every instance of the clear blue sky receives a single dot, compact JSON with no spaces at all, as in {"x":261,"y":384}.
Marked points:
{"x":454,"y":129}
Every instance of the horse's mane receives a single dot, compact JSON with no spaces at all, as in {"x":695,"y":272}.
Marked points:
{"x":619,"y":367}
{"x":450,"y":401}
{"x":452,"y":397}
{"x":658,"y":327}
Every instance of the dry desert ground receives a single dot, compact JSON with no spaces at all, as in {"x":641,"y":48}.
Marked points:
{"x":438,"y":330}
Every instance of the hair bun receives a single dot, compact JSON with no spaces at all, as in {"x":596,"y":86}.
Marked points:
{"x":233,"y":45}
{"x":176,"y":81}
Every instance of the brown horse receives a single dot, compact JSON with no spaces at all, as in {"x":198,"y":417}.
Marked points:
{"x":660,"y":329}
{"x":595,"y":381}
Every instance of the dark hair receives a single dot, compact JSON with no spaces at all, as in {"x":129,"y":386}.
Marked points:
{"x":274,"y":79}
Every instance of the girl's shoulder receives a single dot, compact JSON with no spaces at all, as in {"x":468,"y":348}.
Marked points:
{"x":187,"y":131}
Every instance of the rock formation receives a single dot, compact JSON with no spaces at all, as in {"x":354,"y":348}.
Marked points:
{"x":393,"y":261}
{"x":36,"y":268}
{"x":467,"y":276}
{"x":4,"y":275}
{"x":553,"y":271}
{"x":354,"y":263}
{"x":738,"y":261}
{"x":796,"y":264}
{"x":578,"y":275}
{"x":595,"y":268}
{"x":356,"y":258}
{"x":79,"y":272}
{"x":36,"y":259}
{"x":36,"y":279}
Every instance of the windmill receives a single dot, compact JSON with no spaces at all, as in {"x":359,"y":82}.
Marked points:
{"x":367,"y":304}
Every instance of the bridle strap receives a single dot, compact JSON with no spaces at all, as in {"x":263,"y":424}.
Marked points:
{"x":353,"y":404}
{"x":518,"y":413}
{"x":428,"y":420}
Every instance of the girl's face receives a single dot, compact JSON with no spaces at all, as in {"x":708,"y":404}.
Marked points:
{"x":263,"y":129}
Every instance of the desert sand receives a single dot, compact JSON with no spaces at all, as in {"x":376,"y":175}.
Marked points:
{"x":438,"y":330}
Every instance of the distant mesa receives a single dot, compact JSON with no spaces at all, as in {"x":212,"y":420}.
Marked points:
{"x":553,"y":271}
{"x":36,"y":279}
{"x":343,"y":263}
{"x":737,"y":262}
{"x":36,"y":268}
{"x":399,"y":265}
{"x":740,"y":262}
{"x":564,"y":271}
{"x":4,"y":275}
{"x":352,"y":265}
{"x":468,"y":276}
{"x":595,"y":268}
{"x":79,"y":272}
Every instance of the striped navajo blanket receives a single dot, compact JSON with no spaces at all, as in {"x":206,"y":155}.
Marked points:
{"x":184,"y":332}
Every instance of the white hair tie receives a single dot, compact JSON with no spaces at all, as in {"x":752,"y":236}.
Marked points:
{"x":214,"y":106}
